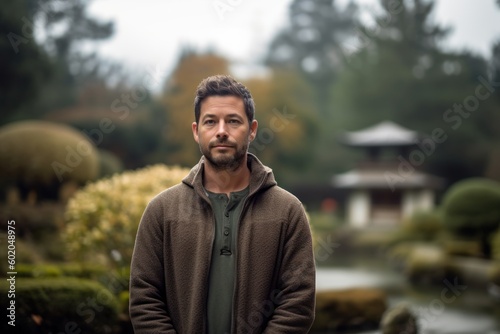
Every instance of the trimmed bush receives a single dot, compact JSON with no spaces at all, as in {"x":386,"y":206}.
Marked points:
{"x":43,"y":155}
{"x":356,"y":308}
{"x":423,"y":225}
{"x":472,"y":207}
{"x":61,"y":305}
{"x":102,"y":218}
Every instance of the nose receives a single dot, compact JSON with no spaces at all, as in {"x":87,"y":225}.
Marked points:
{"x":222,"y":130}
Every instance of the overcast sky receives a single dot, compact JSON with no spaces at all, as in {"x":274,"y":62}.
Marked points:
{"x":149,"y":34}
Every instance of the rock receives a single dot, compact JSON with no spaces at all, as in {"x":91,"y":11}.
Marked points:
{"x":399,"y":320}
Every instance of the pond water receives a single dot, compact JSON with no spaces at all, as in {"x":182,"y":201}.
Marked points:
{"x":448,"y":309}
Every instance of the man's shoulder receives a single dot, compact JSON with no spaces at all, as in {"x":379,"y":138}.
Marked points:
{"x":282,"y":194}
{"x":172,"y":194}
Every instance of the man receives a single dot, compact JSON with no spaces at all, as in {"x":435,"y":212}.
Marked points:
{"x":227,"y":250}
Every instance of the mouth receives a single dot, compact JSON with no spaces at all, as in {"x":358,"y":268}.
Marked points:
{"x":222,"y":145}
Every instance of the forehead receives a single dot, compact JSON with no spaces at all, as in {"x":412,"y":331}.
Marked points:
{"x":222,"y":104}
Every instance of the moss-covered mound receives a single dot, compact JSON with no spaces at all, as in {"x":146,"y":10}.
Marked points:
{"x":357,"y":308}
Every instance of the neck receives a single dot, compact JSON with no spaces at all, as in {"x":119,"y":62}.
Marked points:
{"x":226,"y":181}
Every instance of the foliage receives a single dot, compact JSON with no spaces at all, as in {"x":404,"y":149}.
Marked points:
{"x":68,"y":269}
{"x":420,"y":226}
{"x":25,"y":66}
{"x":56,"y":304}
{"x":45,"y":154}
{"x":313,"y":44}
{"x":43,"y":64}
{"x":102,"y":218}
{"x":472,"y":207}
{"x":288,"y":124}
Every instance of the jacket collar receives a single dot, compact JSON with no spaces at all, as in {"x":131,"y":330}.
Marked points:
{"x":261,"y":177}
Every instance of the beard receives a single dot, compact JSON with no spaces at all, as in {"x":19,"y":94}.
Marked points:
{"x":225,"y":160}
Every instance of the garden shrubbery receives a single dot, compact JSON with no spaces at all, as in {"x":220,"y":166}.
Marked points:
{"x":61,"y":305}
{"x":472,"y":207}
{"x":102,"y":218}
{"x":39,"y":156}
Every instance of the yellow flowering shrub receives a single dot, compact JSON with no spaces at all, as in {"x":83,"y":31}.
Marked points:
{"x":102,"y":218}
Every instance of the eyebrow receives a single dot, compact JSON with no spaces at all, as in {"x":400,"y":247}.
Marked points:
{"x":208,"y":115}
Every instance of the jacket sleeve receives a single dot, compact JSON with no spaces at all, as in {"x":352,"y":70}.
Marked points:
{"x":295,"y":302}
{"x":148,"y":309}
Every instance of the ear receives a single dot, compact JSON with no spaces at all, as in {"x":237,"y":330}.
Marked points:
{"x":194,"y":128}
{"x":253,"y":130}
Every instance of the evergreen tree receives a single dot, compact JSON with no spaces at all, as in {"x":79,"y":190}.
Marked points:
{"x":312,"y":44}
{"x":43,"y":65}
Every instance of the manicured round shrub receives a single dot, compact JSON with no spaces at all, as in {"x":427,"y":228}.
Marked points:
{"x":60,"y":305}
{"x":472,"y":207}
{"x":102,"y":218}
{"x":423,"y":225}
{"x":40,"y":154}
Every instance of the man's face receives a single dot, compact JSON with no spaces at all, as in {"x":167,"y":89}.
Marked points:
{"x":223,"y":131}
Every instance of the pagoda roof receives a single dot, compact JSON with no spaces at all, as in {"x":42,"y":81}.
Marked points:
{"x":386,"y":133}
{"x":379,"y":179}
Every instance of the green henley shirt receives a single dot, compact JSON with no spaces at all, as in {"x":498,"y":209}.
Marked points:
{"x":222,"y":270}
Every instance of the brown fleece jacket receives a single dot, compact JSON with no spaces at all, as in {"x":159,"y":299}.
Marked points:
{"x":274,"y":288}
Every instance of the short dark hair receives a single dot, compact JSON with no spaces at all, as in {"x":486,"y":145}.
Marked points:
{"x":223,"y":85}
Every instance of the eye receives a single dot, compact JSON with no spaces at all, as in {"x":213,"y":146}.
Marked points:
{"x":209,"y":122}
{"x":234,"y":121}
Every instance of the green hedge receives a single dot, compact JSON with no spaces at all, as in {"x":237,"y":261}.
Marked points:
{"x":61,"y":305}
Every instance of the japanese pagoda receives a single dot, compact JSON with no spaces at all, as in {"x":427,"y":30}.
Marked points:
{"x":387,"y":185}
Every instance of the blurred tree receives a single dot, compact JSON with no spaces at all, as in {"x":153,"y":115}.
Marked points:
{"x":178,"y":98}
{"x":402,"y":74}
{"x":313,"y":44}
{"x":25,"y":65}
{"x":288,"y":124}
{"x":43,"y":38}
{"x":65,"y":26}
